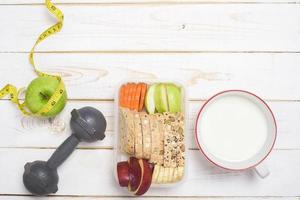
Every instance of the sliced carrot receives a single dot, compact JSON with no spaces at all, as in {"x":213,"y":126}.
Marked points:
{"x":137,"y":96}
{"x":134,"y":86}
{"x":130,"y":88}
{"x":126,"y":95}
{"x":143,"y":94}
{"x":121,"y":96}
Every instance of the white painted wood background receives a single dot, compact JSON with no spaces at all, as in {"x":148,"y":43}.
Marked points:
{"x":210,"y":45}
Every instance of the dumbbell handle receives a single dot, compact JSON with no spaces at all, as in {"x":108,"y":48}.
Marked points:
{"x":63,"y":152}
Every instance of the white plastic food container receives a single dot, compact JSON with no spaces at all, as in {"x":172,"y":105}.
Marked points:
{"x":120,"y":156}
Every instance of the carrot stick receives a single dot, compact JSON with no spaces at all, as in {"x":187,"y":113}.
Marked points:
{"x":137,"y":96}
{"x":130,"y":87}
{"x":126,"y":95}
{"x":143,"y":93}
{"x":121,"y":96}
{"x":134,"y":86}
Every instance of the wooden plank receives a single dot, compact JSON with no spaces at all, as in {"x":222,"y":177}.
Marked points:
{"x":31,"y":132}
{"x":159,"y":27}
{"x":272,"y":76}
{"x":94,"y":168}
{"x":16,"y":2}
{"x":18,"y":131}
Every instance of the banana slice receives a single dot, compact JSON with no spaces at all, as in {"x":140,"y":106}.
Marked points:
{"x":175,"y":174}
{"x":161,"y":175}
{"x":166,"y":175}
{"x":170,"y":176}
{"x":180,"y":173}
{"x":156,"y":173}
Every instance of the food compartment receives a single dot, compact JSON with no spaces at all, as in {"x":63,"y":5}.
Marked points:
{"x":150,"y":135}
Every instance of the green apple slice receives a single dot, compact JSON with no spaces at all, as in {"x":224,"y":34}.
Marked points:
{"x":150,"y":101}
{"x":160,"y":97}
{"x":174,"y":98}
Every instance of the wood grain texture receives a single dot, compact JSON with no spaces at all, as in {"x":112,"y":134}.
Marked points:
{"x":195,"y":27}
{"x":27,"y":132}
{"x":94,"y":168}
{"x":271,"y":76}
{"x":207,"y":45}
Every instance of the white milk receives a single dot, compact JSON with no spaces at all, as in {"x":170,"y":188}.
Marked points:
{"x":232,"y":128}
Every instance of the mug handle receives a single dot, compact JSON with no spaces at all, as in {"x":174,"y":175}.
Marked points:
{"x":262,"y":170}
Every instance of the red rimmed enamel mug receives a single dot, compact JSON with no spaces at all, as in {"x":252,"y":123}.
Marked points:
{"x":236,"y":130}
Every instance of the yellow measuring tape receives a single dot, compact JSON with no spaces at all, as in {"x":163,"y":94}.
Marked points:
{"x":12,"y":90}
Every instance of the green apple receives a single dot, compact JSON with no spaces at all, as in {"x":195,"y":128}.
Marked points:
{"x":174,"y":98}
{"x":149,"y":100}
{"x":40,"y":91}
{"x":160,"y":97}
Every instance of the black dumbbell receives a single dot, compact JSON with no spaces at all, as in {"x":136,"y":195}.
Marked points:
{"x":87,"y":124}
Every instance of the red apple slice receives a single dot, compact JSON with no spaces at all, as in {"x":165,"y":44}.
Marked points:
{"x":146,"y":177}
{"x":135,"y":174}
{"x":151,"y":167}
{"x":123,"y":173}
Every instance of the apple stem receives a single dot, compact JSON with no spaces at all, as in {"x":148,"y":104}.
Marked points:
{"x":44,"y":96}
